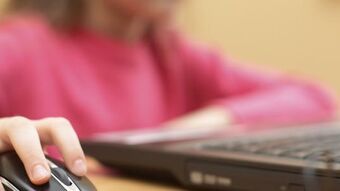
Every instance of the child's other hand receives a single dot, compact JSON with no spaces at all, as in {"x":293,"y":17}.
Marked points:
{"x":27,"y":138}
{"x":213,"y":116}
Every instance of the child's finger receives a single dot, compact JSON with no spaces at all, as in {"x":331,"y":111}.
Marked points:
{"x":2,"y":187}
{"x":23,"y":136}
{"x":62,"y":134}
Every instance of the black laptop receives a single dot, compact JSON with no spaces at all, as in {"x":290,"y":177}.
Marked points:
{"x":299,"y":158}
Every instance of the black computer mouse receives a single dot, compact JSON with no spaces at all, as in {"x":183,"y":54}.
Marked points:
{"x":14,"y":178}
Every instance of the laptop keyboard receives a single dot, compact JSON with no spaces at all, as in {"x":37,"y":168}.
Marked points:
{"x":317,"y":145}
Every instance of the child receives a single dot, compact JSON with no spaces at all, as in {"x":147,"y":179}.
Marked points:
{"x":111,"y":65}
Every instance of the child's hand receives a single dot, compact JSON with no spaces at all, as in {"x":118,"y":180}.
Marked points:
{"x":27,"y":138}
{"x":213,"y":116}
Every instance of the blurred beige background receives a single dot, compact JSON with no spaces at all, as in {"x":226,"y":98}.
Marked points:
{"x":299,"y":36}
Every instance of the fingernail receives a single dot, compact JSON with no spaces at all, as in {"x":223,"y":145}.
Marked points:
{"x":79,"y":167}
{"x":39,"y":172}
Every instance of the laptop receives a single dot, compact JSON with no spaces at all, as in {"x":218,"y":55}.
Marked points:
{"x":296,"y":158}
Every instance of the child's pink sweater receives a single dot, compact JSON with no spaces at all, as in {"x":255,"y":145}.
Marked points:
{"x":102,"y":85}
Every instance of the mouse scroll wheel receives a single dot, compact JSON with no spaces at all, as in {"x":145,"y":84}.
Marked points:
{"x":61,"y":175}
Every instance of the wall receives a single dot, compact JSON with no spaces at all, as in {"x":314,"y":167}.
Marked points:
{"x":301,"y":36}
{"x":2,"y":3}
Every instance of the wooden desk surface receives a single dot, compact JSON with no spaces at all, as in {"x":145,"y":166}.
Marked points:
{"x":107,"y":183}
{"x":104,"y":180}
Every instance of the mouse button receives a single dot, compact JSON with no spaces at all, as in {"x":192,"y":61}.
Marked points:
{"x":83,"y":183}
{"x":62,"y":176}
{"x":55,"y":185}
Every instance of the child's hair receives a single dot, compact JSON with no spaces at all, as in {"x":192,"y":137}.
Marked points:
{"x":59,"y":12}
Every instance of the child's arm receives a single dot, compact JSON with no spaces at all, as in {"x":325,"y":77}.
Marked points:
{"x":247,"y":95}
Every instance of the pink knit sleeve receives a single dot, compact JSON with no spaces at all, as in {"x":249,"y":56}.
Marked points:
{"x":8,"y":57}
{"x":253,"y":96}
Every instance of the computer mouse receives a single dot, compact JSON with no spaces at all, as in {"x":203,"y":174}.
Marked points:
{"x":14,"y":178}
